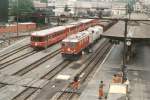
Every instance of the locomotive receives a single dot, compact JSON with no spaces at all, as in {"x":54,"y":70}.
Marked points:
{"x":45,"y":38}
{"x":72,"y":46}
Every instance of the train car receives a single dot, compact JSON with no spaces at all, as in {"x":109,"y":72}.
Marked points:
{"x":87,"y":23}
{"x":78,"y":25}
{"x":71,"y":29}
{"x":48,"y":37}
{"x":95,"y":33}
{"x":107,"y":24}
{"x":45,"y":38}
{"x":95,"y":22}
{"x":73,"y":45}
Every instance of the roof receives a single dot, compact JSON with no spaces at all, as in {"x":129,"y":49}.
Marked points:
{"x":70,"y":25}
{"x":75,"y":23}
{"x":27,"y":23}
{"x":76,"y":37}
{"x":135,"y":32}
{"x":38,"y":4}
{"x":86,"y":20}
{"x":48,"y":31}
{"x":95,"y":29}
{"x":99,"y":27}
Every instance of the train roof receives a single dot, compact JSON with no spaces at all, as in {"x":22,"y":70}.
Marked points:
{"x":96,"y":28}
{"x":76,"y":37}
{"x":75,"y":23}
{"x":70,"y":25}
{"x":27,"y":23}
{"x":48,"y":31}
{"x":105,"y":23}
{"x":86,"y":20}
{"x":99,"y":27}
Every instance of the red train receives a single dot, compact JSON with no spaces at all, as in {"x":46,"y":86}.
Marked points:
{"x":45,"y":38}
{"x":73,"y":45}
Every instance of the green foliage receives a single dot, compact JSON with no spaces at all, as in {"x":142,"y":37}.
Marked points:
{"x":21,"y":7}
{"x":3,"y":10}
{"x":44,"y":1}
{"x":66,"y":8}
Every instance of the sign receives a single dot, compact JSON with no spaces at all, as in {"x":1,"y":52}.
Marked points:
{"x":128,"y":42}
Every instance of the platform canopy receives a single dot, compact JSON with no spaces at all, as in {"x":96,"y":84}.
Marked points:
{"x":138,"y":30}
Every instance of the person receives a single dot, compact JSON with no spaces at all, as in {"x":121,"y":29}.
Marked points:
{"x":75,"y":83}
{"x":114,"y":79}
{"x":101,"y":91}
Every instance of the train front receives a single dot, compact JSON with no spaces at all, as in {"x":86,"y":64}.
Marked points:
{"x":38,"y":41}
{"x":69,"y":48}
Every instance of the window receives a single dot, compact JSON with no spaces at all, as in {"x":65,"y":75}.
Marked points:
{"x":56,"y":34}
{"x":38,"y":39}
{"x":69,"y":44}
{"x":63,"y":44}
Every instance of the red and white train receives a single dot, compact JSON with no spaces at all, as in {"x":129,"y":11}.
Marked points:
{"x":45,"y":38}
{"x":73,"y":45}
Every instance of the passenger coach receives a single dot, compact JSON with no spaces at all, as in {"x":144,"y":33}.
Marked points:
{"x":45,"y":38}
{"x":48,"y":37}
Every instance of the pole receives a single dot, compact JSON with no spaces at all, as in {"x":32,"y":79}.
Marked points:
{"x":17,"y":18}
{"x":47,"y":14}
{"x":124,"y":69}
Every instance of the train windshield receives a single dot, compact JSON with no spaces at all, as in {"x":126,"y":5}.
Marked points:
{"x":38,"y":39}
{"x":69,"y":44}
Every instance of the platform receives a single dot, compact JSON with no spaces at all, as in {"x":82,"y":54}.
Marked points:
{"x":136,"y":30}
{"x":138,"y":74}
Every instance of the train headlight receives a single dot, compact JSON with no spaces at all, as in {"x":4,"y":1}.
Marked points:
{"x":36,"y":44}
{"x":69,"y":49}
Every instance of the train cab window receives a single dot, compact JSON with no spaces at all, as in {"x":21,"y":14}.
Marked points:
{"x":53,"y":35}
{"x":63,"y":44}
{"x":58,"y":33}
{"x":69,"y":44}
{"x":73,"y":44}
{"x":38,"y":39}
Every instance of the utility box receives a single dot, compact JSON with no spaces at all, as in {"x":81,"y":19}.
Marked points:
{"x":118,"y":91}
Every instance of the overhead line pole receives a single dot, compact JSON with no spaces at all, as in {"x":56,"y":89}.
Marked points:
{"x":17,"y":18}
{"x":124,"y":67}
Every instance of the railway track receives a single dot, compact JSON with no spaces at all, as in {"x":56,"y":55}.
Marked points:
{"x":25,"y":94}
{"x":37,"y":63}
{"x":56,"y":70}
{"x":2,"y":85}
{"x":4,"y":56}
{"x":88,"y":68}
{"x":14,"y":60}
{"x":28,"y":92}
{"x":91,"y":70}
{"x":53,"y":72}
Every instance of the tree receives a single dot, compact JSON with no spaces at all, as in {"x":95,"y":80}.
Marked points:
{"x":44,"y":1}
{"x":21,"y":7}
{"x":3,"y":10}
{"x":66,"y":9}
